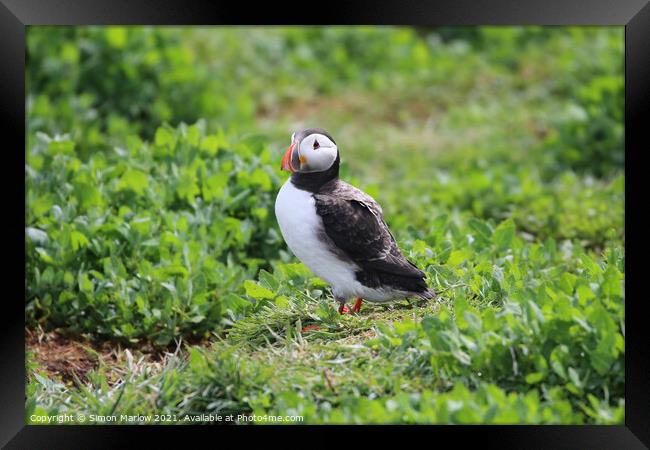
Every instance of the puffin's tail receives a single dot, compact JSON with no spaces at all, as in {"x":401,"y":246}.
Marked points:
{"x":426,"y":294}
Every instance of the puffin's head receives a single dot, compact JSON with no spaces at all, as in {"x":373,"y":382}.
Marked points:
{"x":311,"y":150}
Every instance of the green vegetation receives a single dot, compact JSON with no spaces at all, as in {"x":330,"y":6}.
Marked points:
{"x":496,"y":153}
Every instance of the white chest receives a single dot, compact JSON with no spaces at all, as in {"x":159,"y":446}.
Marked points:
{"x":302,"y":230}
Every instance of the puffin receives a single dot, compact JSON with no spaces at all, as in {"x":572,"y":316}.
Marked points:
{"x":339,"y":231}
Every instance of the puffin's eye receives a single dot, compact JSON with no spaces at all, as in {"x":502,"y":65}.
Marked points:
{"x":316,"y":145}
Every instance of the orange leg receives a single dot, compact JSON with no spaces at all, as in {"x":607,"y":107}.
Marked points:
{"x":343,"y":309}
{"x":357,"y":305}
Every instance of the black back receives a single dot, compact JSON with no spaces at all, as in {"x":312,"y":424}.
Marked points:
{"x":355,"y":224}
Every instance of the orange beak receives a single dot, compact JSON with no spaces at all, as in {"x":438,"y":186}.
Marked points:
{"x":286,"y":159}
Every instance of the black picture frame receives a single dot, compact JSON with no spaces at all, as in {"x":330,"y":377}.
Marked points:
{"x":15,"y":15}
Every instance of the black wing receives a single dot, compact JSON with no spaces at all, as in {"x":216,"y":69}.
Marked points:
{"x":355,"y":224}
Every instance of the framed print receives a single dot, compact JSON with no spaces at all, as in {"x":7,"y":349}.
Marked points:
{"x":410,"y":216}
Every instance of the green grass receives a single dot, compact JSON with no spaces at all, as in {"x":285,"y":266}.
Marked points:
{"x":499,"y":169}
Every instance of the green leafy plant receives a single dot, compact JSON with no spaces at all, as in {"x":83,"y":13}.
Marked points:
{"x":150,"y":239}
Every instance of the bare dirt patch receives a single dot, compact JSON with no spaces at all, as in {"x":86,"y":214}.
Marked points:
{"x":71,"y":358}
{"x":59,"y":356}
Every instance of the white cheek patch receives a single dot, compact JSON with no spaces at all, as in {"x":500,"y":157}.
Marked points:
{"x":320,"y":158}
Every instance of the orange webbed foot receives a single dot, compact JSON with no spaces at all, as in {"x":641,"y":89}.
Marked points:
{"x":357,"y":305}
